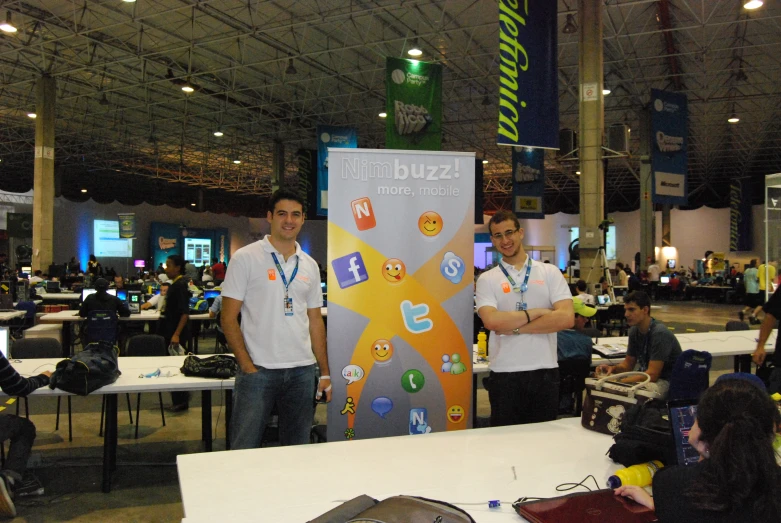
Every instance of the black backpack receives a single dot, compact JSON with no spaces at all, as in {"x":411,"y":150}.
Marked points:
{"x":219,"y":366}
{"x":87,"y":371}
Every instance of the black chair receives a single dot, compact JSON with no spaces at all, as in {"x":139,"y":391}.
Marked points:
{"x":31,"y":348}
{"x":735,"y":325}
{"x":147,"y":345}
{"x":572,"y":379}
{"x":614,"y":319}
{"x":102,"y":326}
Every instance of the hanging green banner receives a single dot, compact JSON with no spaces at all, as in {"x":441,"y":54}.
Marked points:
{"x":414,"y":105}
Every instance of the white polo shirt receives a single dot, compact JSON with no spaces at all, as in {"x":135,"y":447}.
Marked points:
{"x":523,"y":352}
{"x":273,"y":340}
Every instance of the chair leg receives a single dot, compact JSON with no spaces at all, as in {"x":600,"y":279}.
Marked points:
{"x":138,"y":411}
{"x":70,"y":421}
{"x":57,"y":420}
{"x":129,"y":409}
{"x":162,"y":410}
{"x":102,"y":414}
{"x":26,"y":408}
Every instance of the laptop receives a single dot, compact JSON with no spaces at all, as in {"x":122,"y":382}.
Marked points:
{"x":52,"y":286}
{"x":603,"y":299}
{"x":599,"y":506}
{"x":210,"y":294}
{"x":682,"y":415}
{"x":6,"y":302}
{"x":121,"y":294}
{"x":664,"y":280}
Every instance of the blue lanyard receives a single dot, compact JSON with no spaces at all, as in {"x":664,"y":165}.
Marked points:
{"x":282,"y":273}
{"x":525,"y":285}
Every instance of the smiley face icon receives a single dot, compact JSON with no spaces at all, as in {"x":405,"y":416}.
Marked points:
{"x":455,"y":414}
{"x":394,"y":270}
{"x":382,"y":351}
{"x":430,"y":223}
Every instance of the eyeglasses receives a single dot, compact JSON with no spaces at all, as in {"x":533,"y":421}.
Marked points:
{"x":505,"y":234}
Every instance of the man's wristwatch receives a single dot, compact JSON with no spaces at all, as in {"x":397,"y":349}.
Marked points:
{"x":517,"y":331}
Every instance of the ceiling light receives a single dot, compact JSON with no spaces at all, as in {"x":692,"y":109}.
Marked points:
{"x":218,"y":133}
{"x":605,"y":91}
{"x":485,"y":162}
{"x":753,"y":4}
{"x":84,"y":190}
{"x":129,"y":1}
{"x":570,"y":27}
{"x":187,"y":88}
{"x":8,"y":26}
{"x":733,"y":118}
{"x":32,"y":115}
{"x":383,"y":115}
{"x":291,"y":69}
{"x":577,"y":172}
{"x":237,"y":162}
{"x":414,"y":51}
{"x":192,"y":205}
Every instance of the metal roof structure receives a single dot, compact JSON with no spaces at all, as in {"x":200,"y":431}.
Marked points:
{"x":266,"y":71}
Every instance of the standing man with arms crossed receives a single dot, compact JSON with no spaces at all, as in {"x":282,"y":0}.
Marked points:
{"x":523,"y":303}
{"x":276,"y":288}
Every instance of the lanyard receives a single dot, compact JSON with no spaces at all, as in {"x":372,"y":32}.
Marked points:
{"x":525,"y":285}
{"x":282,"y":273}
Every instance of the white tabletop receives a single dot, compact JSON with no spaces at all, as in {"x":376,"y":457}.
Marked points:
{"x":60,"y":296}
{"x":10,"y":315}
{"x":464,"y":467}
{"x":63,"y":316}
{"x":129,"y":381}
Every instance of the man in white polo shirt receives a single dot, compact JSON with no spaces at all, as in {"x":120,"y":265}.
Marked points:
{"x":523,"y":303}
{"x":276,"y":288}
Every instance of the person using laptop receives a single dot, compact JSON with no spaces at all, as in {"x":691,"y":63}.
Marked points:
{"x":157,"y":300}
{"x":36,"y":278}
{"x":585,"y":297}
{"x":737,"y":479}
{"x":651,"y":347}
{"x":19,"y":431}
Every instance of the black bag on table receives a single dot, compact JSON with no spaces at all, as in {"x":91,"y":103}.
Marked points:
{"x":94,"y":367}
{"x":645,"y":436}
{"x":219,"y":366}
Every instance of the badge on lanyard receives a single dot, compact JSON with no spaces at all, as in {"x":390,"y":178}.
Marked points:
{"x":288,"y":306}
{"x":520,"y":306}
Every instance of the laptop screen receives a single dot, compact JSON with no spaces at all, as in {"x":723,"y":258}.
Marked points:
{"x":664,"y":280}
{"x":4,"y":337}
{"x":210,"y":294}
{"x":682,"y":416}
{"x":603,"y":299}
{"x":121,"y":294}
{"x":52,"y":286}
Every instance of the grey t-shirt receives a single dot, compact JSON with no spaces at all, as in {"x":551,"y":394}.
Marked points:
{"x":658,"y":344}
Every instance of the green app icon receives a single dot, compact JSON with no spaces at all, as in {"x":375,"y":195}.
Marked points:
{"x":412,"y":381}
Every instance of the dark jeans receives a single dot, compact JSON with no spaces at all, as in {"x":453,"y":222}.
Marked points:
{"x":21,"y":432}
{"x":255,"y":395}
{"x":523,"y":397}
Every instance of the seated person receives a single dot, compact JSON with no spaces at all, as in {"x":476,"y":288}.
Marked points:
{"x":652,"y":348}
{"x":576,"y":343}
{"x":37,"y":277}
{"x":737,"y":479}
{"x":675,"y":282}
{"x":157,"y":300}
{"x":119,"y":282}
{"x":20,"y":431}
{"x":103,"y":301}
{"x":587,"y":298}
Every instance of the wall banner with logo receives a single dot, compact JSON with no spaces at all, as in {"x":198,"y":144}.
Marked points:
{"x":127,"y":224}
{"x":670,"y":145}
{"x":528,"y":183}
{"x":740,"y":233}
{"x":413,"y":104}
{"x":528,"y":75}
{"x":329,"y":136}
{"x":400,"y":292}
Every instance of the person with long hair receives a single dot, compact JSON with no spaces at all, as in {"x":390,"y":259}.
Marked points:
{"x":737,"y":479}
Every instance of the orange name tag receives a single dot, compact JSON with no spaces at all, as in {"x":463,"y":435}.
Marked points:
{"x":272,"y":274}
{"x":506,"y":288}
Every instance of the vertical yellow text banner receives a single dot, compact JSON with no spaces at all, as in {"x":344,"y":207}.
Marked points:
{"x":400,"y":292}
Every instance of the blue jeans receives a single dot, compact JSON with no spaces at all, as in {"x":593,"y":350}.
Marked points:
{"x":255,"y":395}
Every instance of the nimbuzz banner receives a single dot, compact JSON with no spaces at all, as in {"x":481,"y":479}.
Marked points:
{"x":413,"y":105}
{"x":329,"y":136}
{"x":740,"y":233}
{"x":400,"y":292}
{"x":127,"y":225}
{"x":528,"y":75}
{"x":528,"y":182}
{"x":669,"y":118}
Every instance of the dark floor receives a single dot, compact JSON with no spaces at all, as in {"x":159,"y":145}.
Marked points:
{"x":145,"y":485}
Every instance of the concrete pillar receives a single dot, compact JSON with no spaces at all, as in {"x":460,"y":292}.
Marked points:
{"x":592,"y":124}
{"x":666,"y":240}
{"x":647,"y":222}
{"x":43,"y":181}
{"x":278,"y":166}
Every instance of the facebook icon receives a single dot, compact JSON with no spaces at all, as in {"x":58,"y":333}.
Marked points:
{"x":350,"y":270}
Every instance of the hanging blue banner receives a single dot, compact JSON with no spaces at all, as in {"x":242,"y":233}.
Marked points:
{"x":669,"y":118}
{"x":528,"y":72}
{"x":740,"y":233}
{"x":330,"y":136}
{"x":528,"y":183}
